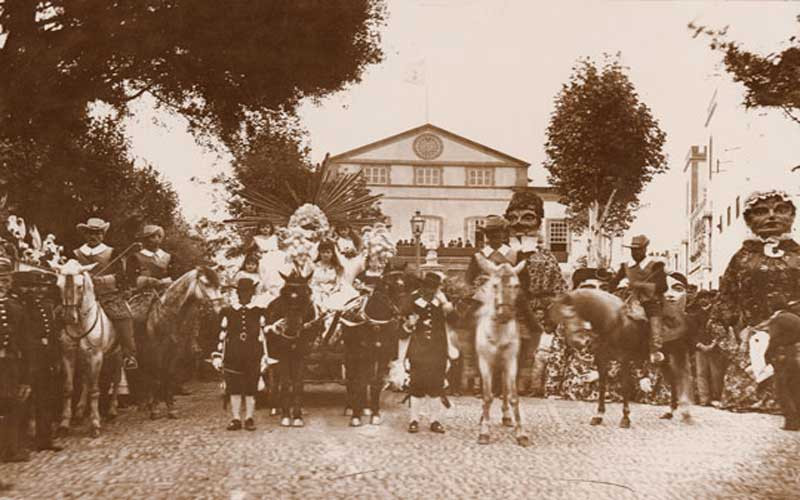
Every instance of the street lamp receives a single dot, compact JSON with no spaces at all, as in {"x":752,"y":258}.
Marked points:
{"x":417,"y":228}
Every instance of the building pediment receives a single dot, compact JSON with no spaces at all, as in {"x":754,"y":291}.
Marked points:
{"x":428,"y":144}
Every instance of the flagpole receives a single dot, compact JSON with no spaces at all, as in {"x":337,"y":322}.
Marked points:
{"x":427,"y":120}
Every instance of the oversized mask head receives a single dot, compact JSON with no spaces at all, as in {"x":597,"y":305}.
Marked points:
{"x":769,"y":214}
{"x":525,"y":213}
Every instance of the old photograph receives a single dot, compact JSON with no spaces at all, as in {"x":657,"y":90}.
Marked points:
{"x":411,"y":249}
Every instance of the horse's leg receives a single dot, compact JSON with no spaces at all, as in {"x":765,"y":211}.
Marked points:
{"x":602,"y":371}
{"x":284,"y":381}
{"x":505,"y":387}
{"x":113,"y":403}
{"x":169,"y":376}
{"x":68,"y":360}
{"x":297,"y":391}
{"x":510,"y":387}
{"x":669,"y":373}
{"x":682,"y":375}
{"x":81,"y":406}
{"x":93,"y":382}
{"x":627,"y":392}
{"x":487,"y":370}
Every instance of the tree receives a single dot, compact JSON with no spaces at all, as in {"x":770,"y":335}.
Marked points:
{"x":603,"y":146}
{"x":770,"y":81}
{"x":221,"y":67}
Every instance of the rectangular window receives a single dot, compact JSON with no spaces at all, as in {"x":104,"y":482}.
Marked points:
{"x":428,"y":176}
{"x":738,"y":207}
{"x":432,"y":235}
{"x":473,"y":226}
{"x":729,"y":216}
{"x":483,"y":176}
{"x":557,"y":235}
{"x":376,"y":174}
{"x":720,"y":224}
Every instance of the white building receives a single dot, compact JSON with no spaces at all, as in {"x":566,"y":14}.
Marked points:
{"x":740,"y":152}
{"x":453,"y":181}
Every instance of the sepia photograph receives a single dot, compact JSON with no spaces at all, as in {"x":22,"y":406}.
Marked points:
{"x":406,"y":249}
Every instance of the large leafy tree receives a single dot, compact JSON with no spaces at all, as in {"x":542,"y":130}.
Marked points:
{"x":771,"y":81}
{"x":220,"y":66}
{"x":603,"y":147}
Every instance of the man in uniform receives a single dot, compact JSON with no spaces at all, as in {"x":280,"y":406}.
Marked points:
{"x":39,"y":293}
{"x":109,"y":284}
{"x":15,"y":368}
{"x":540,"y":279}
{"x":647,"y":281}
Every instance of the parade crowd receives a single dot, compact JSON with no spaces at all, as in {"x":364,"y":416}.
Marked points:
{"x":435,"y":335}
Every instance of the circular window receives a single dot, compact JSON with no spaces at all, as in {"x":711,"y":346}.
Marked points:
{"x":428,"y":146}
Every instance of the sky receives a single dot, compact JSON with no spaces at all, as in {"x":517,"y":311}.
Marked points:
{"x":492,"y":69}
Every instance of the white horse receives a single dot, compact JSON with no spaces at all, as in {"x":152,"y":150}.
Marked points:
{"x":497,"y":343}
{"x":87,"y":338}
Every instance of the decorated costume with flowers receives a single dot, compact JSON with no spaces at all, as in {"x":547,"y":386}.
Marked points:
{"x":761,"y":278}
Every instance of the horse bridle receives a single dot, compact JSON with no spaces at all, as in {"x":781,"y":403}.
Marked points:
{"x":69,"y":294}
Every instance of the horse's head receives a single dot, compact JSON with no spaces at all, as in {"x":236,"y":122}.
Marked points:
{"x":296,"y":293}
{"x":501,"y":288}
{"x":76,"y":288}
{"x":208,"y":288}
{"x":398,"y":287}
{"x":585,"y":315}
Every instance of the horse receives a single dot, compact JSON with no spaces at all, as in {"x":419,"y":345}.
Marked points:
{"x":88,"y":338}
{"x":166,"y":344}
{"x":370,"y":334}
{"x":294,"y":325}
{"x":497,"y":343}
{"x":600,"y":321}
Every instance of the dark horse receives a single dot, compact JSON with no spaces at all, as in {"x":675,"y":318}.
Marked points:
{"x":294,"y":326}
{"x":598,"y":319}
{"x":370,"y":334}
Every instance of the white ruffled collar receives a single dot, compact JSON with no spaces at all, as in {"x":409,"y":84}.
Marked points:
{"x":87,"y":250}
{"x":504,"y":249}
{"x":159,"y":253}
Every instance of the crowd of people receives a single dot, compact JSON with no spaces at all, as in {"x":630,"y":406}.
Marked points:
{"x":717,"y":327}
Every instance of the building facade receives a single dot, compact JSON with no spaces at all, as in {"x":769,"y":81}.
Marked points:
{"x":452,"y":181}
{"x":740,"y":152}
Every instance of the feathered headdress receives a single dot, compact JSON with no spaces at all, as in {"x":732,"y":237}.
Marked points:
{"x":335,"y":195}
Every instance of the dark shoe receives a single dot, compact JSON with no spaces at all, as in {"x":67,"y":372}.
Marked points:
{"x":49,"y":447}
{"x":413,"y":427}
{"x":235,"y":425}
{"x":249,"y":425}
{"x":130,"y":363}
{"x":437,"y":427}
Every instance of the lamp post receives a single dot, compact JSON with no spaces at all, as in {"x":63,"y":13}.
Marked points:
{"x":417,"y":228}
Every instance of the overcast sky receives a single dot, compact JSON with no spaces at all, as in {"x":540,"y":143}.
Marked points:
{"x":493,"y":68}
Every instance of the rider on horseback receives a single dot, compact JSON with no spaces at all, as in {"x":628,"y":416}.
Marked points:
{"x":647,"y":282}
{"x":110,"y":283}
{"x":150,"y":267}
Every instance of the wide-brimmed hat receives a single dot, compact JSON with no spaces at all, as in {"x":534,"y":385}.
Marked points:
{"x":34,"y":278}
{"x":638,"y":241}
{"x":93,"y":224}
{"x":589,"y":273}
{"x":149,"y":230}
{"x":495,"y":223}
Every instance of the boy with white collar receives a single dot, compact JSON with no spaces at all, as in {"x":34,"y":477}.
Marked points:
{"x":243,"y":346}
{"x":427,"y":350}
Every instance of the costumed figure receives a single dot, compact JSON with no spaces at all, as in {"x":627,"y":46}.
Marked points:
{"x":646,"y":283}
{"x":110,"y":280}
{"x":763,"y":277}
{"x":540,"y":280}
{"x":40,"y":295}
{"x":347,"y":241}
{"x":427,"y":351}
{"x":16,"y":367}
{"x":243,"y":347}
{"x":250,"y":270}
{"x":150,"y":269}
{"x":709,"y":359}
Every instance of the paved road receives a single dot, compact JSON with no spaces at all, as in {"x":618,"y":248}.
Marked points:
{"x":723,"y":455}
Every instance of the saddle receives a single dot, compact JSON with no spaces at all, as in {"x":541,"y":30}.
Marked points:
{"x":141,"y":303}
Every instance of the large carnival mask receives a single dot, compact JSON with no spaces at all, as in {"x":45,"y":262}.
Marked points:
{"x":675,"y":296}
{"x":524,"y":214}
{"x":770,"y":216}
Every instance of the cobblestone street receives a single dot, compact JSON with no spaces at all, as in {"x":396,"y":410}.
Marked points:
{"x":722,"y":455}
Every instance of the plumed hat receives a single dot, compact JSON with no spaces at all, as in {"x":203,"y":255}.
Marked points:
{"x":431,"y":280}
{"x":526,"y":199}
